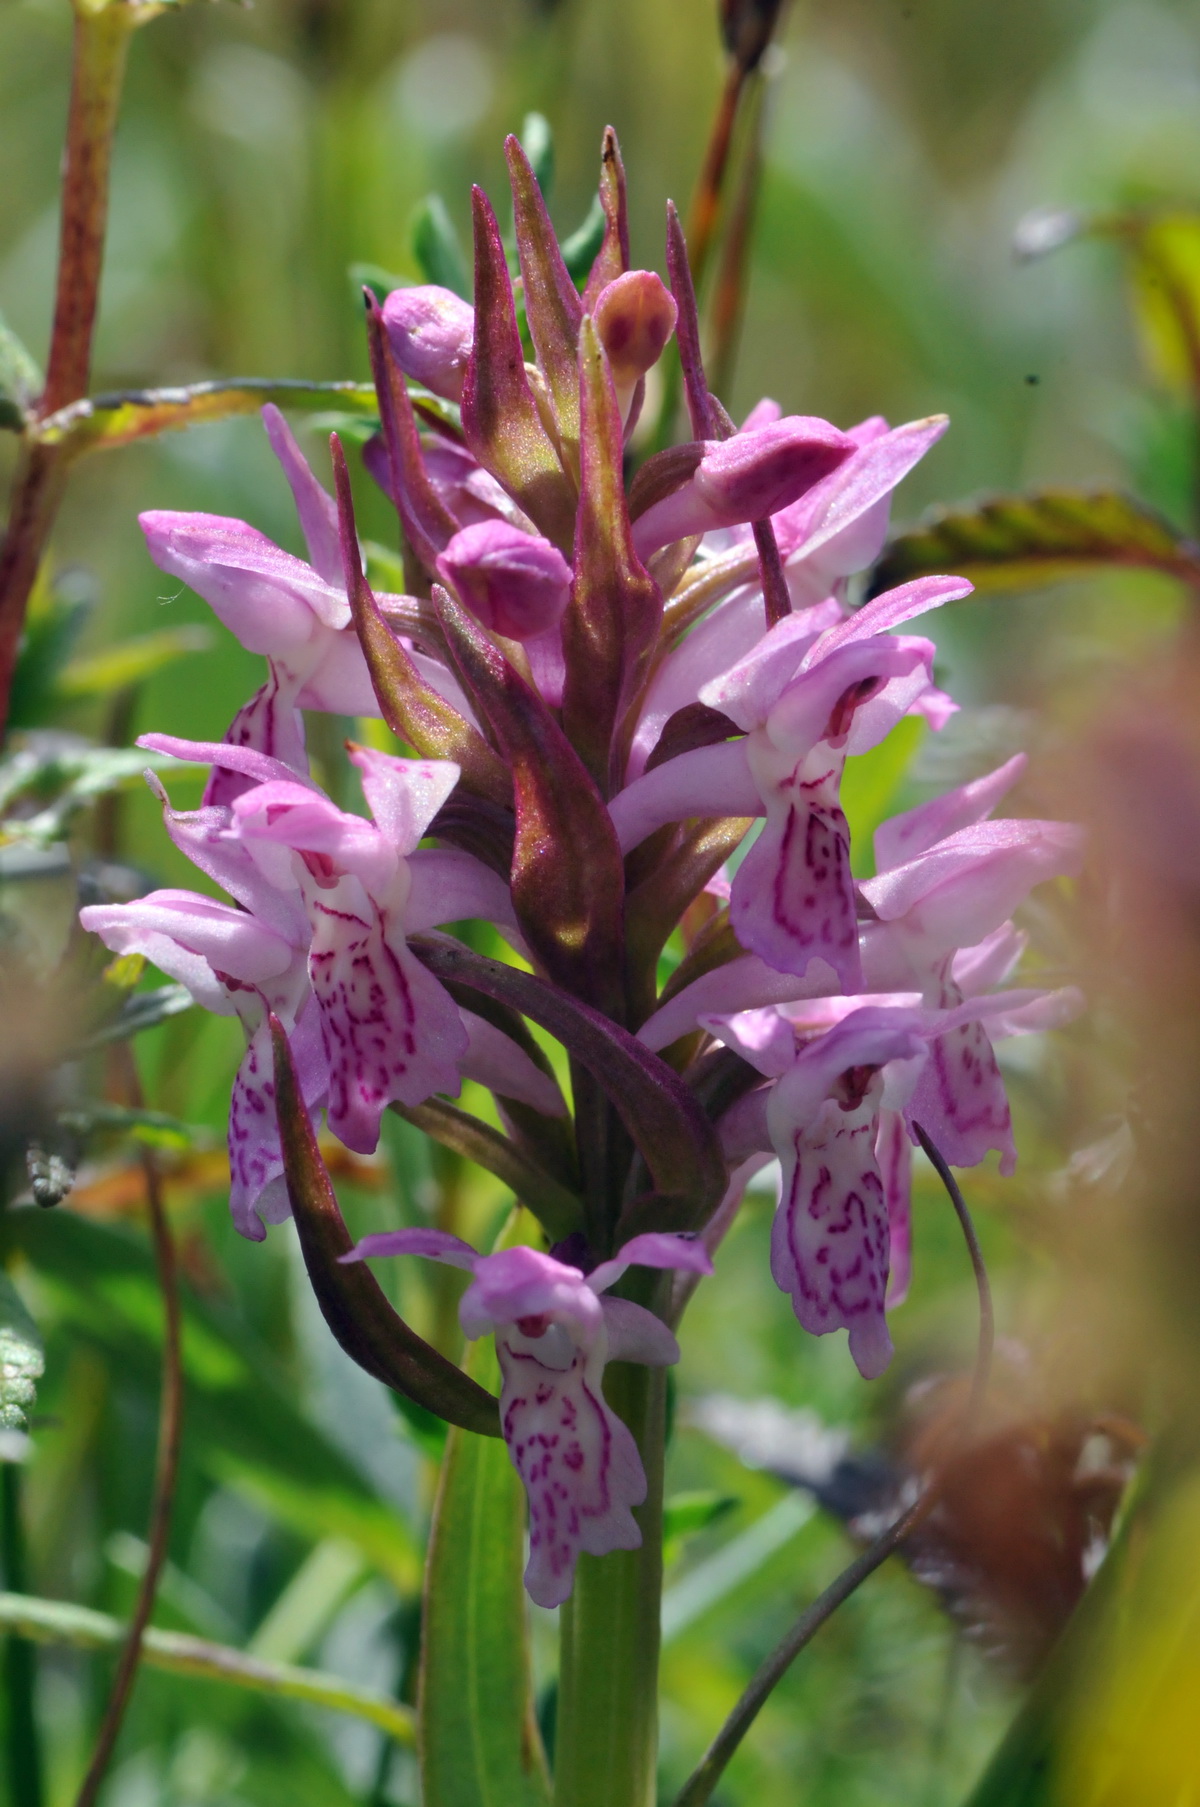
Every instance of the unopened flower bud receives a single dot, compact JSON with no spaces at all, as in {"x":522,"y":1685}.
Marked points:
{"x":430,"y":331}
{"x":745,"y":478}
{"x":635,"y":316}
{"x":516,"y":583}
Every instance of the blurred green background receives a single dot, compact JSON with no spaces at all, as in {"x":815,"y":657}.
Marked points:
{"x":262,"y":151}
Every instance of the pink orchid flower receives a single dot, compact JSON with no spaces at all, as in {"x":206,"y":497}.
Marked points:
{"x":554,"y":1334}
{"x":804,"y":703}
{"x":294,"y":613}
{"x":325,"y":903}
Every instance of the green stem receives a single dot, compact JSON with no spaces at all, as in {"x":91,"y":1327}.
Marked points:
{"x":606,"y":1742}
{"x":20,"y":1673}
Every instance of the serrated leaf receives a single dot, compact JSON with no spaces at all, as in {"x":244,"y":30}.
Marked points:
{"x":106,"y":421}
{"x":479,"y":1740}
{"x":438,"y":249}
{"x":1014,"y":542}
{"x":132,"y":662}
{"x":22,"y":1362}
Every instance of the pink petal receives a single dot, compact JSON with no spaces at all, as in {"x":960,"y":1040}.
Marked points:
{"x":740,"y":985}
{"x":656,"y":1248}
{"x":192,"y":939}
{"x":893,"y":608}
{"x":315,"y":507}
{"x":904,"y":837}
{"x":745,"y":478}
{"x":446,"y":885}
{"x":710,"y":781}
{"x":493,"y":1059}
{"x":524,"y":1283}
{"x":960,"y":1101}
{"x":271,"y":601}
{"x":430,"y":331}
{"x":403,"y":795}
{"x":825,"y":520}
{"x":636,"y":1335}
{"x":435,"y":1245}
{"x":967,"y":885}
{"x":269,"y":723}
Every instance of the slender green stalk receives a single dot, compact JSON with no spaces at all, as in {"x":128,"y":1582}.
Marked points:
{"x":59,"y":1622}
{"x":20,"y":1670}
{"x":606,"y":1739}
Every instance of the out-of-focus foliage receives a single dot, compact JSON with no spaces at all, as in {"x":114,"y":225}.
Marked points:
{"x":269,"y":161}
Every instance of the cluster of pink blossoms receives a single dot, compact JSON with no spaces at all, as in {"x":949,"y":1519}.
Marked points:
{"x":631,"y":683}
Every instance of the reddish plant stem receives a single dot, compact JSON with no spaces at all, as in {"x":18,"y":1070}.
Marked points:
{"x":100,"y":49}
{"x":706,"y":202}
{"x":166,"y":1467}
{"x":729,"y":295}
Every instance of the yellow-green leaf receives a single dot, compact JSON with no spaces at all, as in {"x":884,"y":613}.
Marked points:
{"x":105,"y":421}
{"x":1017,"y":542}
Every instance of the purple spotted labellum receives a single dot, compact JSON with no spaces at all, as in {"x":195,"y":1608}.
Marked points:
{"x":555,"y":1330}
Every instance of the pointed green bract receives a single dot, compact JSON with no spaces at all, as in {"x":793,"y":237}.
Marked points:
{"x":478,"y":1736}
{"x":500,"y":417}
{"x":612,"y":257}
{"x":553,"y":1206}
{"x":351,"y":1299}
{"x":567,"y":878}
{"x":613,"y":618}
{"x":552,"y":306}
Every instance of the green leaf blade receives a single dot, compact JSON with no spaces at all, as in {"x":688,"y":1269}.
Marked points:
{"x":478,"y":1737}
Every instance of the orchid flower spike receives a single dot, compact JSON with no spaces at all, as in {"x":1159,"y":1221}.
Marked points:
{"x":554,"y":1334}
